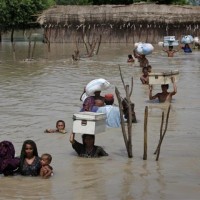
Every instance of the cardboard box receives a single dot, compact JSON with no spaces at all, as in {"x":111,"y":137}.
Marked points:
{"x":89,"y":123}
{"x":163,"y":77}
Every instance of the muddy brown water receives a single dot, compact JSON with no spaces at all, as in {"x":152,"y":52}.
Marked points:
{"x":33,"y":96}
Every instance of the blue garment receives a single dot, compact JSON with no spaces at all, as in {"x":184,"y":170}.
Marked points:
{"x":187,"y":49}
{"x":112,"y":115}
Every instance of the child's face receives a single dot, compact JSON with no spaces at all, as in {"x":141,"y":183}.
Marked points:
{"x":60,"y":126}
{"x":99,"y":103}
{"x":44,"y":160}
{"x":145,"y":71}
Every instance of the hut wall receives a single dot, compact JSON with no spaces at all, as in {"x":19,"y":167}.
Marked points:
{"x":129,"y":32}
{"x":133,"y":23}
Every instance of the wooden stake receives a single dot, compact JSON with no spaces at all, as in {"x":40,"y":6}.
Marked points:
{"x":33,"y":48}
{"x":145,"y":133}
{"x":129,"y":123}
{"x":160,"y":142}
{"x":161,"y":127}
{"x":100,"y":37}
{"x":122,"y":118}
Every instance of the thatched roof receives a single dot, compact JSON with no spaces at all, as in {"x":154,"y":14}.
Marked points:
{"x":62,"y":15}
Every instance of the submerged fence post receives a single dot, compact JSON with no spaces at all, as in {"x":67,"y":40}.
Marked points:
{"x":160,"y":142}
{"x":145,"y":133}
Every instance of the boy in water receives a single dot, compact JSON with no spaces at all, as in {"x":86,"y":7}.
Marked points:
{"x":46,"y":170}
{"x":145,"y":77}
{"x":130,"y":58}
{"x":170,"y":52}
{"x":141,"y":59}
{"x":164,"y":96}
{"x":149,"y":68}
{"x":60,"y":128}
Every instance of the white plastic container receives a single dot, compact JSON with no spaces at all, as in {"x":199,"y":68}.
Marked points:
{"x":170,"y":43}
{"x":89,"y":123}
{"x":162,"y":78}
{"x":169,"y":38}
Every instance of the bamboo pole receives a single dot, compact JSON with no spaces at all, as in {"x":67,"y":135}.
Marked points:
{"x":145,"y":133}
{"x":161,"y":128}
{"x":121,"y":117}
{"x":85,"y":44}
{"x":160,"y":142}
{"x":129,"y":123}
{"x":122,"y":78}
{"x":13,"y":50}
{"x":29,"y":49}
{"x":33,"y":50}
{"x":99,"y":43}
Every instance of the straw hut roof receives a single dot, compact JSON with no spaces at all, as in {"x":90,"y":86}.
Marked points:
{"x":63,"y":15}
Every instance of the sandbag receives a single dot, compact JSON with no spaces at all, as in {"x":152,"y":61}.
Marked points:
{"x":187,"y":39}
{"x":144,"y":48}
{"x":196,"y":40}
{"x":96,"y":85}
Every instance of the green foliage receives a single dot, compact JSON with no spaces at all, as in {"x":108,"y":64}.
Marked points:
{"x":168,"y":2}
{"x":74,"y":2}
{"x":100,"y":2}
{"x":16,"y":14}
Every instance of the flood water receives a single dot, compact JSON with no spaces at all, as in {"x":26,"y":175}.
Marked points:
{"x":34,"y":95}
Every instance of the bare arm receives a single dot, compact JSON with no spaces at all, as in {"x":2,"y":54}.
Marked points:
{"x":135,"y":54}
{"x":48,"y":172}
{"x":165,"y":50}
{"x":174,"y":86}
{"x":45,"y":172}
{"x":151,"y":97}
{"x":71,"y":138}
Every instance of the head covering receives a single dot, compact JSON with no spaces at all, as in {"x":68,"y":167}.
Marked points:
{"x":109,"y":97}
{"x":8,"y":163}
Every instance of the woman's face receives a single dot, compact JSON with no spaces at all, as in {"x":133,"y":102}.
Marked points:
{"x":29,"y":151}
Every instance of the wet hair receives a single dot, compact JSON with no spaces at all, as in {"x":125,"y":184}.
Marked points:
{"x":149,"y":67}
{"x":59,"y":122}
{"x":144,"y":68}
{"x":86,"y":135}
{"x":109,"y":102}
{"x":49,"y":157}
{"x":23,"y":151}
{"x":165,"y":85}
{"x":130,"y":56}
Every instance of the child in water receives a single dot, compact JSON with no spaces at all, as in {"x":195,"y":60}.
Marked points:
{"x":60,"y":128}
{"x":130,"y":58}
{"x":145,"y":77}
{"x":46,"y":170}
{"x":149,"y":68}
{"x":187,"y":48}
{"x":163,"y":96}
{"x":170,"y":52}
